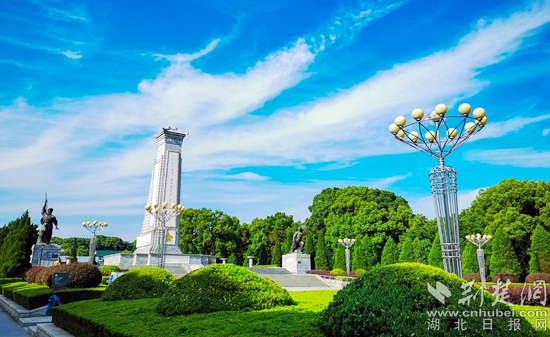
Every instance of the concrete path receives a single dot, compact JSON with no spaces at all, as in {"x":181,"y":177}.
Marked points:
{"x":9,"y":327}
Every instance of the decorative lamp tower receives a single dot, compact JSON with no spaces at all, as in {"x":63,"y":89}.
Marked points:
{"x":437,"y":136}
{"x":479,"y":240}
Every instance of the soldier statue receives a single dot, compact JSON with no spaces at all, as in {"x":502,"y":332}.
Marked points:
{"x":48,"y":221}
{"x":297,"y":243}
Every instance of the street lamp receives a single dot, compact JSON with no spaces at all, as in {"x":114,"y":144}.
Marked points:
{"x":437,"y":136}
{"x":163,"y":214}
{"x":347,"y":243}
{"x":94,"y":227}
{"x":479,"y":240}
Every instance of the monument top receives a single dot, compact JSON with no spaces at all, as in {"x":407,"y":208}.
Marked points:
{"x":171,"y":136}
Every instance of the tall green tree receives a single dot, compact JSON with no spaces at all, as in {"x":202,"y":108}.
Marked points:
{"x":390,"y":253}
{"x":17,"y":239}
{"x":288,"y":242}
{"x":420,"y":254}
{"x":262,"y":255}
{"x":370,"y":252}
{"x":469,"y":259}
{"x":310,"y":249}
{"x":277,"y":256}
{"x":407,"y":251}
{"x":340,"y":258}
{"x":358,"y":256}
{"x":435,"y":258}
{"x":503,"y":257}
{"x":540,"y":251}
{"x":322,"y":261}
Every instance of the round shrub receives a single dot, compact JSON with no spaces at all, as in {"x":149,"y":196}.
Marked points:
{"x":504,"y":277}
{"x":337,"y":271}
{"x":472,"y":276}
{"x":82,"y":275}
{"x":45,"y":275}
{"x":221,"y":287}
{"x":360,"y":272}
{"x":394,"y":300}
{"x":106,"y":270}
{"x":143,"y":282}
{"x":30,"y":275}
{"x":537,"y":277}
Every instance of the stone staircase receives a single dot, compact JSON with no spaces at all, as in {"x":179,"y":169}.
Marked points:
{"x":287,"y":280}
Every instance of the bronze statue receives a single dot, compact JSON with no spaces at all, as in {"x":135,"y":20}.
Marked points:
{"x":48,"y":221}
{"x":297,"y":243}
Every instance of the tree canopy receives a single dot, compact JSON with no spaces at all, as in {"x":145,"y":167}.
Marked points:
{"x":16,"y":241}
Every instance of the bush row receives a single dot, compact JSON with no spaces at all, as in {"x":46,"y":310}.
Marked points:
{"x":81,"y":275}
{"x":10,"y":280}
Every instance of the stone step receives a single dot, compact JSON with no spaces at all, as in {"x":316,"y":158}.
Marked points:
{"x":270,"y":271}
{"x":30,"y":321}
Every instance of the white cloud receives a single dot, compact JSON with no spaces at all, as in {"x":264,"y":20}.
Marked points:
{"x":71,"y":54}
{"x":498,"y":129}
{"x":545,"y":132}
{"x":246,"y":176}
{"x":522,"y":157}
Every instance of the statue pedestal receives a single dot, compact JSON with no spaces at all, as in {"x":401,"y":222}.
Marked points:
{"x":45,"y":255}
{"x":297,"y":263}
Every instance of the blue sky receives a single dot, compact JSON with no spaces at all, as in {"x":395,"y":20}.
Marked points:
{"x":280,"y":98}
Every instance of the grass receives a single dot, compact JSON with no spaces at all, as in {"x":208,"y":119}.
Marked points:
{"x":297,"y":320}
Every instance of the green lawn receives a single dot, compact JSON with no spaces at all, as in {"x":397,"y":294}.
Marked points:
{"x":137,"y":318}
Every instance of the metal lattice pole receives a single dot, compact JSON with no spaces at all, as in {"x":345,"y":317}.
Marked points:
{"x":437,"y":136}
{"x":163,"y":213}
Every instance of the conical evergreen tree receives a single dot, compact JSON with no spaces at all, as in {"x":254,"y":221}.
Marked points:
{"x":277,"y":257}
{"x":16,"y":247}
{"x":358,"y":255}
{"x":340,"y":258}
{"x":469,"y":259}
{"x":407,"y":252}
{"x":390,"y":253}
{"x":419,"y":252}
{"x":262,"y":255}
{"x":369,"y":251}
{"x":321,"y":256}
{"x":249,"y":252}
{"x":435,"y":258}
{"x":310,"y":249}
{"x":540,"y":251}
{"x":288,"y":244}
{"x":503,"y":257}
{"x":232,"y":259}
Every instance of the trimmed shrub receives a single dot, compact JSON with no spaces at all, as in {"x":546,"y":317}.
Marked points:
{"x":221,"y":287}
{"x":504,"y":277}
{"x":393,"y":301}
{"x":360,"y":272}
{"x":10,"y":280}
{"x":143,"y":282}
{"x":537,"y":277}
{"x":30,"y":275}
{"x":472,"y":276}
{"x":337,"y":271}
{"x":106,"y":270}
{"x":81,"y":275}
{"x":45,"y":275}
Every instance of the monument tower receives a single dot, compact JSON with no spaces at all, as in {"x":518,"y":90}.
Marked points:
{"x":165,"y":187}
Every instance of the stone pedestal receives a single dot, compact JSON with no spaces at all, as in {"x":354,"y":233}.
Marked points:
{"x":297,"y":263}
{"x":45,"y":255}
{"x":250,"y":261}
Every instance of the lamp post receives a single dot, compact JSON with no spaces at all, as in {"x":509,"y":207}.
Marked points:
{"x":163,"y":214}
{"x":479,"y":240}
{"x":437,"y":136}
{"x":94,"y":227}
{"x":347,"y":243}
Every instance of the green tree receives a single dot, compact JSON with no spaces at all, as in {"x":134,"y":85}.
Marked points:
{"x":390,"y":253}
{"x":435,"y":258}
{"x":369,"y":252}
{"x":82,"y":251}
{"x":358,"y":255}
{"x":203,"y":231}
{"x":321,"y":256}
{"x":407,"y":251}
{"x":310,"y":249}
{"x":340,"y":258}
{"x":277,"y":256}
{"x":16,"y":241}
{"x":288,"y":243}
{"x":503,"y":257}
{"x":419,"y":250}
{"x":262,"y":255}
{"x":232,"y":259}
{"x":540,"y":251}
{"x":469,"y":259}
{"x":518,"y":206}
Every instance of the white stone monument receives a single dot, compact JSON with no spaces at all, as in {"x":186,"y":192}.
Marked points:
{"x":297,"y":263}
{"x":164,"y":187}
